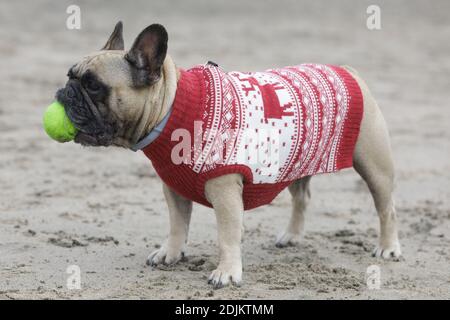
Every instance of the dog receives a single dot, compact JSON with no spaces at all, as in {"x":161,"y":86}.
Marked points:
{"x":119,"y":98}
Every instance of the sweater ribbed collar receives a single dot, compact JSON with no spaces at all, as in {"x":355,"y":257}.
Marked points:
{"x":153,"y":134}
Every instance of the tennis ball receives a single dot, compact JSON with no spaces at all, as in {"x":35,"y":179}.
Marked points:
{"x":57,"y":125}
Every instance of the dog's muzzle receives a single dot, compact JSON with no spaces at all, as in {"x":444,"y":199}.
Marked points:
{"x":85,"y":115}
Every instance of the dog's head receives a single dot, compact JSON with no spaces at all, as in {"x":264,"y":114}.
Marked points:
{"x":107,"y":90}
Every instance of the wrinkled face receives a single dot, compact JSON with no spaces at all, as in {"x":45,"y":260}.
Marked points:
{"x":106,"y":90}
{"x":100,"y":97}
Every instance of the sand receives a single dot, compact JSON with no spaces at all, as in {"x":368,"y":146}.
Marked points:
{"x":103,"y":209}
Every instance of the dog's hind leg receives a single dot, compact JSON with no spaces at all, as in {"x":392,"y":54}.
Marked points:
{"x":372,"y":159}
{"x":300,"y":197}
{"x":180,"y":210}
{"x":375,"y":167}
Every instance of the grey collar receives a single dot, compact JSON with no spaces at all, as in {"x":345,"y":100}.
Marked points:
{"x":153,"y":134}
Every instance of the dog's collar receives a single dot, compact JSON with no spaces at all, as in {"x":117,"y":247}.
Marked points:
{"x":156,"y":131}
{"x":153,"y":134}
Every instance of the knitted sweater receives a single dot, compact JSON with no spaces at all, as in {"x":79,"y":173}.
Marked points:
{"x":272,"y":127}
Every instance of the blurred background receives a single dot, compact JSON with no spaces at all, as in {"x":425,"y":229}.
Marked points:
{"x":103,"y":209}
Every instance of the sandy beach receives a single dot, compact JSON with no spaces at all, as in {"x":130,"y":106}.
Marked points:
{"x":103,"y":209}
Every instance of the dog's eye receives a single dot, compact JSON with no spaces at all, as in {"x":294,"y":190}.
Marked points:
{"x":92,"y":86}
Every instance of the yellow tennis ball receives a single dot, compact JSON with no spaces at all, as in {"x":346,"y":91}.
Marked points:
{"x":57,"y":125}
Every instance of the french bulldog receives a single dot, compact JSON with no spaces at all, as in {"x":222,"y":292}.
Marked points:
{"x":117,"y":97}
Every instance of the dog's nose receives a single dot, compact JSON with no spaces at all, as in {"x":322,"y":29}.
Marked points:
{"x":72,"y":89}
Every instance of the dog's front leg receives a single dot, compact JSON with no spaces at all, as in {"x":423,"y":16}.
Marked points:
{"x":225,"y":195}
{"x":180,"y":210}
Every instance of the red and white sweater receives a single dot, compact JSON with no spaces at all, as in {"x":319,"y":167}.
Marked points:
{"x":273,"y":127}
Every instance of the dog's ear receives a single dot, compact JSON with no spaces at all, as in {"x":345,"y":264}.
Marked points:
{"x":115,"y":41}
{"x":147,"y":55}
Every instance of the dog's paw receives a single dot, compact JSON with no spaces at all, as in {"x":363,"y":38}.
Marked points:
{"x":392,"y":251}
{"x":224,"y":275}
{"x":287,"y":239}
{"x":164,"y":256}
